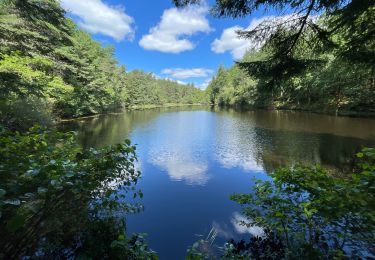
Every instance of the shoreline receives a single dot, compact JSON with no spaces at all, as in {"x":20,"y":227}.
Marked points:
{"x":343,"y":113}
{"x":329,"y":112}
{"x":132,"y":108}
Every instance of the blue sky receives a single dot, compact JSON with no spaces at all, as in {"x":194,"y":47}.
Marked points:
{"x":186,"y":45}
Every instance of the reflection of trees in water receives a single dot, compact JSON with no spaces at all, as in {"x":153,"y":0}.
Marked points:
{"x":109,"y":129}
{"x":339,"y":152}
{"x":250,"y":140}
{"x":273,"y":139}
{"x":283,"y":148}
{"x":235,"y":144}
{"x":102,"y":130}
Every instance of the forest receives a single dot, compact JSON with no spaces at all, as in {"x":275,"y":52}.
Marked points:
{"x":50,"y":69}
{"x":60,"y":200}
{"x":329,"y":70}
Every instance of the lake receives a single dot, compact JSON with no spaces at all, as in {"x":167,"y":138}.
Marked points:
{"x":192,"y":159}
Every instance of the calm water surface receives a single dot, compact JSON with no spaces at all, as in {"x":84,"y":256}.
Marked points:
{"x":193,"y":159}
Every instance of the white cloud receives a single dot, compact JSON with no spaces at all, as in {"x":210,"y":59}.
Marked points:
{"x":171,"y":34}
{"x":229,"y":40}
{"x":187,"y":73}
{"x":205,"y":84}
{"x":98,"y":17}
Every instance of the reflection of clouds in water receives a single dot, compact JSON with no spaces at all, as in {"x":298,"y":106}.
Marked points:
{"x":223,"y":230}
{"x":230,"y":159}
{"x":231,"y":231}
{"x":236,"y":145}
{"x":180,"y":149}
{"x":181,"y":167}
{"x":237,"y":221}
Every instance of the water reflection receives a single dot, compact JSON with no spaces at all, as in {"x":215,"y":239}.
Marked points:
{"x":238,"y":221}
{"x":235,"y":144}
{"x":235,"y":228}
{"x":295,"y":121}
{"x":180,"y":167}
{"x":267,"y":140}
{"x":223,"y":230}
{"x":194,"y":159}
{"x":178,"y":145}
{"x":252,"y":141}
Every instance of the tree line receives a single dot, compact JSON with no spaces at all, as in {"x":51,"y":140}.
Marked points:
{"x":337,"y":86}
{"x":50,"y":68}
{"x":319,"y":58}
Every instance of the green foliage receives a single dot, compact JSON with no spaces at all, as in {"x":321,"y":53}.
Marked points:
{"x":25,"y":76}
{"x":43,"y":55}
{"x":57,"y":199}
{"x":336,"y":85}
{"x":320,"y":58}
{"x":143,"y":88}
{"x":353,"y":20}
{"x":315,"y":213}
{"x":196,"y":251}
{"x":202,"y":249}
{"x":93,"y":71}
{"x":29,"y":90}
{"x":133,"y":248}
{"x":232,"y":87}
{"x":20,"y":114}
{"x":33,"y":27}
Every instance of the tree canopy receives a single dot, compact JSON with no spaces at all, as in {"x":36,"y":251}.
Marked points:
{"x":285,"y":37}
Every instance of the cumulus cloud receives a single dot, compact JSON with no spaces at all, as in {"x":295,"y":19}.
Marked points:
{"x":187,"y":73}
{"x":171,"y":34}
{"x":229,"y":40}
{"x":97,"y":17}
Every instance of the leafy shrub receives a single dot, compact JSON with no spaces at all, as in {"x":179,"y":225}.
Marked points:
{"x":314,"y":213}
{"x":56,"y":198}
